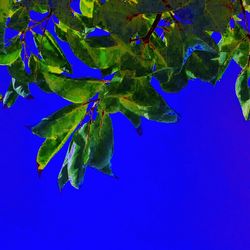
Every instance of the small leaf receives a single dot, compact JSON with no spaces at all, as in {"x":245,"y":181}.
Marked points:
{"x":21,"y":88}
{"x":87,"y":8}
{"x":63,"y":177}
{"x":10,"y":96}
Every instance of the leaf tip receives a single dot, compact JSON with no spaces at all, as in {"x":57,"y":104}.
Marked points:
{"x":39,"y":169}
{"x":139,"y":130}
{"x":29,"y":127}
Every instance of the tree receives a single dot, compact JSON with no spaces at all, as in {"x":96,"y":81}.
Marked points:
{"x":169,"y":40}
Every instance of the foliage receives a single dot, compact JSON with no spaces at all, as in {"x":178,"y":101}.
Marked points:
{"x":170,"y":40}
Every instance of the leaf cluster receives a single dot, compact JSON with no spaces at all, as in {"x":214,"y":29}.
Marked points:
{"x":170,"y":40}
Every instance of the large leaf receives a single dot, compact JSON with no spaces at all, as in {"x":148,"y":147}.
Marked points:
{"x":56,"y":129}
{"x":74,"y":90}
{"x":73,"y":168}
{"x":60,"y":122}
{"x":138,"y":96}
{"x":101,"y":143}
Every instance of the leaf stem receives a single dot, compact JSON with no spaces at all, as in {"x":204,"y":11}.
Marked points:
{"x":91,"y":101}
{"x":152,"y":29}
{"x":146,"y":39}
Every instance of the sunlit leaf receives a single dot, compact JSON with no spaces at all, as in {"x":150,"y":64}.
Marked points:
{"x":56,"y":129}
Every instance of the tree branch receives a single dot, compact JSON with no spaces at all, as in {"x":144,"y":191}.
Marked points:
{"x":146,"y":38}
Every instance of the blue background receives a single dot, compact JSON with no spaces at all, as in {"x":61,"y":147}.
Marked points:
{"x":181,"y":186}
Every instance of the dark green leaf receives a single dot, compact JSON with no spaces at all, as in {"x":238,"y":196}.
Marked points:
{"x":73,"y":168}
{"x":139,"y":97}
{"x":19,"y":20}
{"x":101,"y":142}
{"x":10,"y":96}
{"x":51,"y":51}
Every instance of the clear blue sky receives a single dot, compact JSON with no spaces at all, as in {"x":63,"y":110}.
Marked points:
{"x":182,"y":186}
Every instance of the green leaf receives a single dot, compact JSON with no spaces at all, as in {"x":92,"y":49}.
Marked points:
{"x":101,"y":143}
{"x":63,"y":177}
{"x":132,"y":117}
{"x":243,"y":92}
{"x":73,"y":90}
{"x":18,"y":72}
{"x":171,"y":80}
{"x":101,"y":57}
{"x":66,"y":15}
{"x":49,"y":148}
{"x":21,"y":88}
{"x":156,"y":6}
{"x":124,"y":22}
{"x":186,"y":52}
{"x":51,"y":51}
{"x":112,"y":105}
{"x":10,"y":96}
{"x":60,"y":122}
{"x":87,"y":8}
{"x":56,"y":129}
{"x":139,"y":97}
{"x":5,"y":6}
{"x":19,"y":19}
{"x":202,"y":65}
{"x":210,"y":15}
{"x":11,"y":53}
{"x":73,"y":168}
{"x":233,"y":45}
